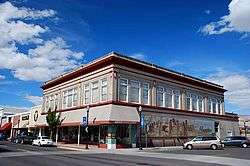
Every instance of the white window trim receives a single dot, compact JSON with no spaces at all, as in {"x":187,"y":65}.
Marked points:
{"x":119,"y":84}
{"x":91,"y":94}
{"x":163,"y":96}
{"x":103,"y":85}
{"x":84,"y":94}
{"x":139,"y":95}
{"x":142,"y":90}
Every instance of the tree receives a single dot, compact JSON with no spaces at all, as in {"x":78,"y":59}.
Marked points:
{"x":53,"y":120}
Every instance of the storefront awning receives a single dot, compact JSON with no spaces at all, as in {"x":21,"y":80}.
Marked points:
{"x":6,"y":126}
{"x":113,"y":114}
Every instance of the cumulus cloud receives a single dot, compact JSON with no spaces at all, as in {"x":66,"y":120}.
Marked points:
{"x":237,"y":20}
{"x":36,"y":100}
{"x":2,"y":77}
{"x":174,"y":63}
{"x":46,"y":60}
{"x":238,"y":86}
{"x":139,"y":56}
{"x":207,"y":12}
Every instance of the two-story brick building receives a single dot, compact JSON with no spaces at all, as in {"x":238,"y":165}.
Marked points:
{"x":174,"y":106}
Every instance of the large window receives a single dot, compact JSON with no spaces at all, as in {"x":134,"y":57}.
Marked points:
{"x":56,"y":101}
{"x":169,"y":98}
{"x":95,"y":92}
{"x":188,"y":101}
{"x":123,"y":90}
{"x":75,"y":97}
{"x":160,"y":96}
{"x":86,"y":94}
{"x":177,"y":99}
{"x":145,"y":93}
{"x":104,"y":89}
{"x":210,"y":105}
{"x":214,"y":105}
{"x":70,"y":98}
{"x":194,"y":102}
{"x":52,"y":103}
{"x":200,"y":104}
{"x":64,"y":99}
{"x":134,"y":91}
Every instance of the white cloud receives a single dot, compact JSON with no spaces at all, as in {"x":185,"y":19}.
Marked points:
{"x":49,"y":57}
{"x":139,"y":56}
{"x":238,"y":86}
{"x":207,"y":12}
{"x":36,"y":100}
{"x":237,"y":20}
{"x":175,"y":63}
{"x":2,"y":77}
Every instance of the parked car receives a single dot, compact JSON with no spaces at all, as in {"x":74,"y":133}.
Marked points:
{"x":24,"y":138}
{"x":239,"y":141}
{"x":43,"y":141}
{"x":203,"y":142}
{"x":3,"y":137}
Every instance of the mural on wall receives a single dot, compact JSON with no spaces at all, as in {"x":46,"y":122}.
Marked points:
{"x":163,"y":126}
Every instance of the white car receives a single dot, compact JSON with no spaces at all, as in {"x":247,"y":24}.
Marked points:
{"x":42,"y":141}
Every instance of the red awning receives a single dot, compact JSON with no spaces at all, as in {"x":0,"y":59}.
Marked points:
{"x":6,"y":126}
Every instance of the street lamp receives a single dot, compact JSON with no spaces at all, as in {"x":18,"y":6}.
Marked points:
{"x":86,"y":129}
{"x":245,"y":127}
{"x":140,"y":128}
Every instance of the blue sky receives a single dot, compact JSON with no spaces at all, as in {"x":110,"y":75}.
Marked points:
{"x":206,"y":39}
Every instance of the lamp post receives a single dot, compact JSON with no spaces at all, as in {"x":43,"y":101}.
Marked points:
{"x":86,"y":129}
{"x":245,"y":127}
{"x":140,"y":128}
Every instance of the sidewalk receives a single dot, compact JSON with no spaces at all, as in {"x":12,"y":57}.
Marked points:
{"x":82,"y":147}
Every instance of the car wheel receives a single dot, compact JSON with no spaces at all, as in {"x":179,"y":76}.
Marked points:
{"x":189,"y":147}
{"x":223,"y":145}
{"x":39,"y":144}
{"x":214,"y":147}
{"x":244,"y":145}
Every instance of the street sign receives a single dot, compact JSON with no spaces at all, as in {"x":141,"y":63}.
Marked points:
{"x":84,"y":121}
{"x":142,"y":121}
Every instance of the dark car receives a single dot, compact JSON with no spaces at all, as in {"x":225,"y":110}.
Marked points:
{"x":239,"y":141}
{"x":24,"y":138}
{"x":3,"y":137}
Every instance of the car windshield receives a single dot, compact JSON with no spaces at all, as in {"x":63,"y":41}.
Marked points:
{"x":45,"y":137}
{"x":197,"y":139}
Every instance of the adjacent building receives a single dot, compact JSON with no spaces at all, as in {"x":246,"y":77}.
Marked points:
{"x":174,"y":106}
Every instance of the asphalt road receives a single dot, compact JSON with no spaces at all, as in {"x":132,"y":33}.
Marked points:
{"x":232,"y":152}
{"x":27,"y":155}
{"x":94,"y":160}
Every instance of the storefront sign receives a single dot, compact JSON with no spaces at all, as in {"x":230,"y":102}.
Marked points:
{"x":25,"y":117}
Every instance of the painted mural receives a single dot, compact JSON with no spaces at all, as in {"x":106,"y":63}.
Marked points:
{"x":163,"y":126}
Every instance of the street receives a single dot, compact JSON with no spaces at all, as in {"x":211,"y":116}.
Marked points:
{"x":27,"y":155}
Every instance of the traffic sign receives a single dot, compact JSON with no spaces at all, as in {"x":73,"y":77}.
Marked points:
{"x":142,"y":121}
{"x":84,"y":121}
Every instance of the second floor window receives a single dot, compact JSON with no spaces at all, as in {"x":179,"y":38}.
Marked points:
{"x":134,"y":91}
{"x":104,"y":89}
{"x":123,"y":90}
{"x":95,"y":92}
{"x":145,"y":93}
{"x":177,"y":98}
{"x":160,"y":96}
{"x":86,"y":94}
{"x":188,"y":102}
{"x":194,"y":102}
{"x":75,"y":97}
{"x":169,"y":98}
{"x":200,"y":104}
